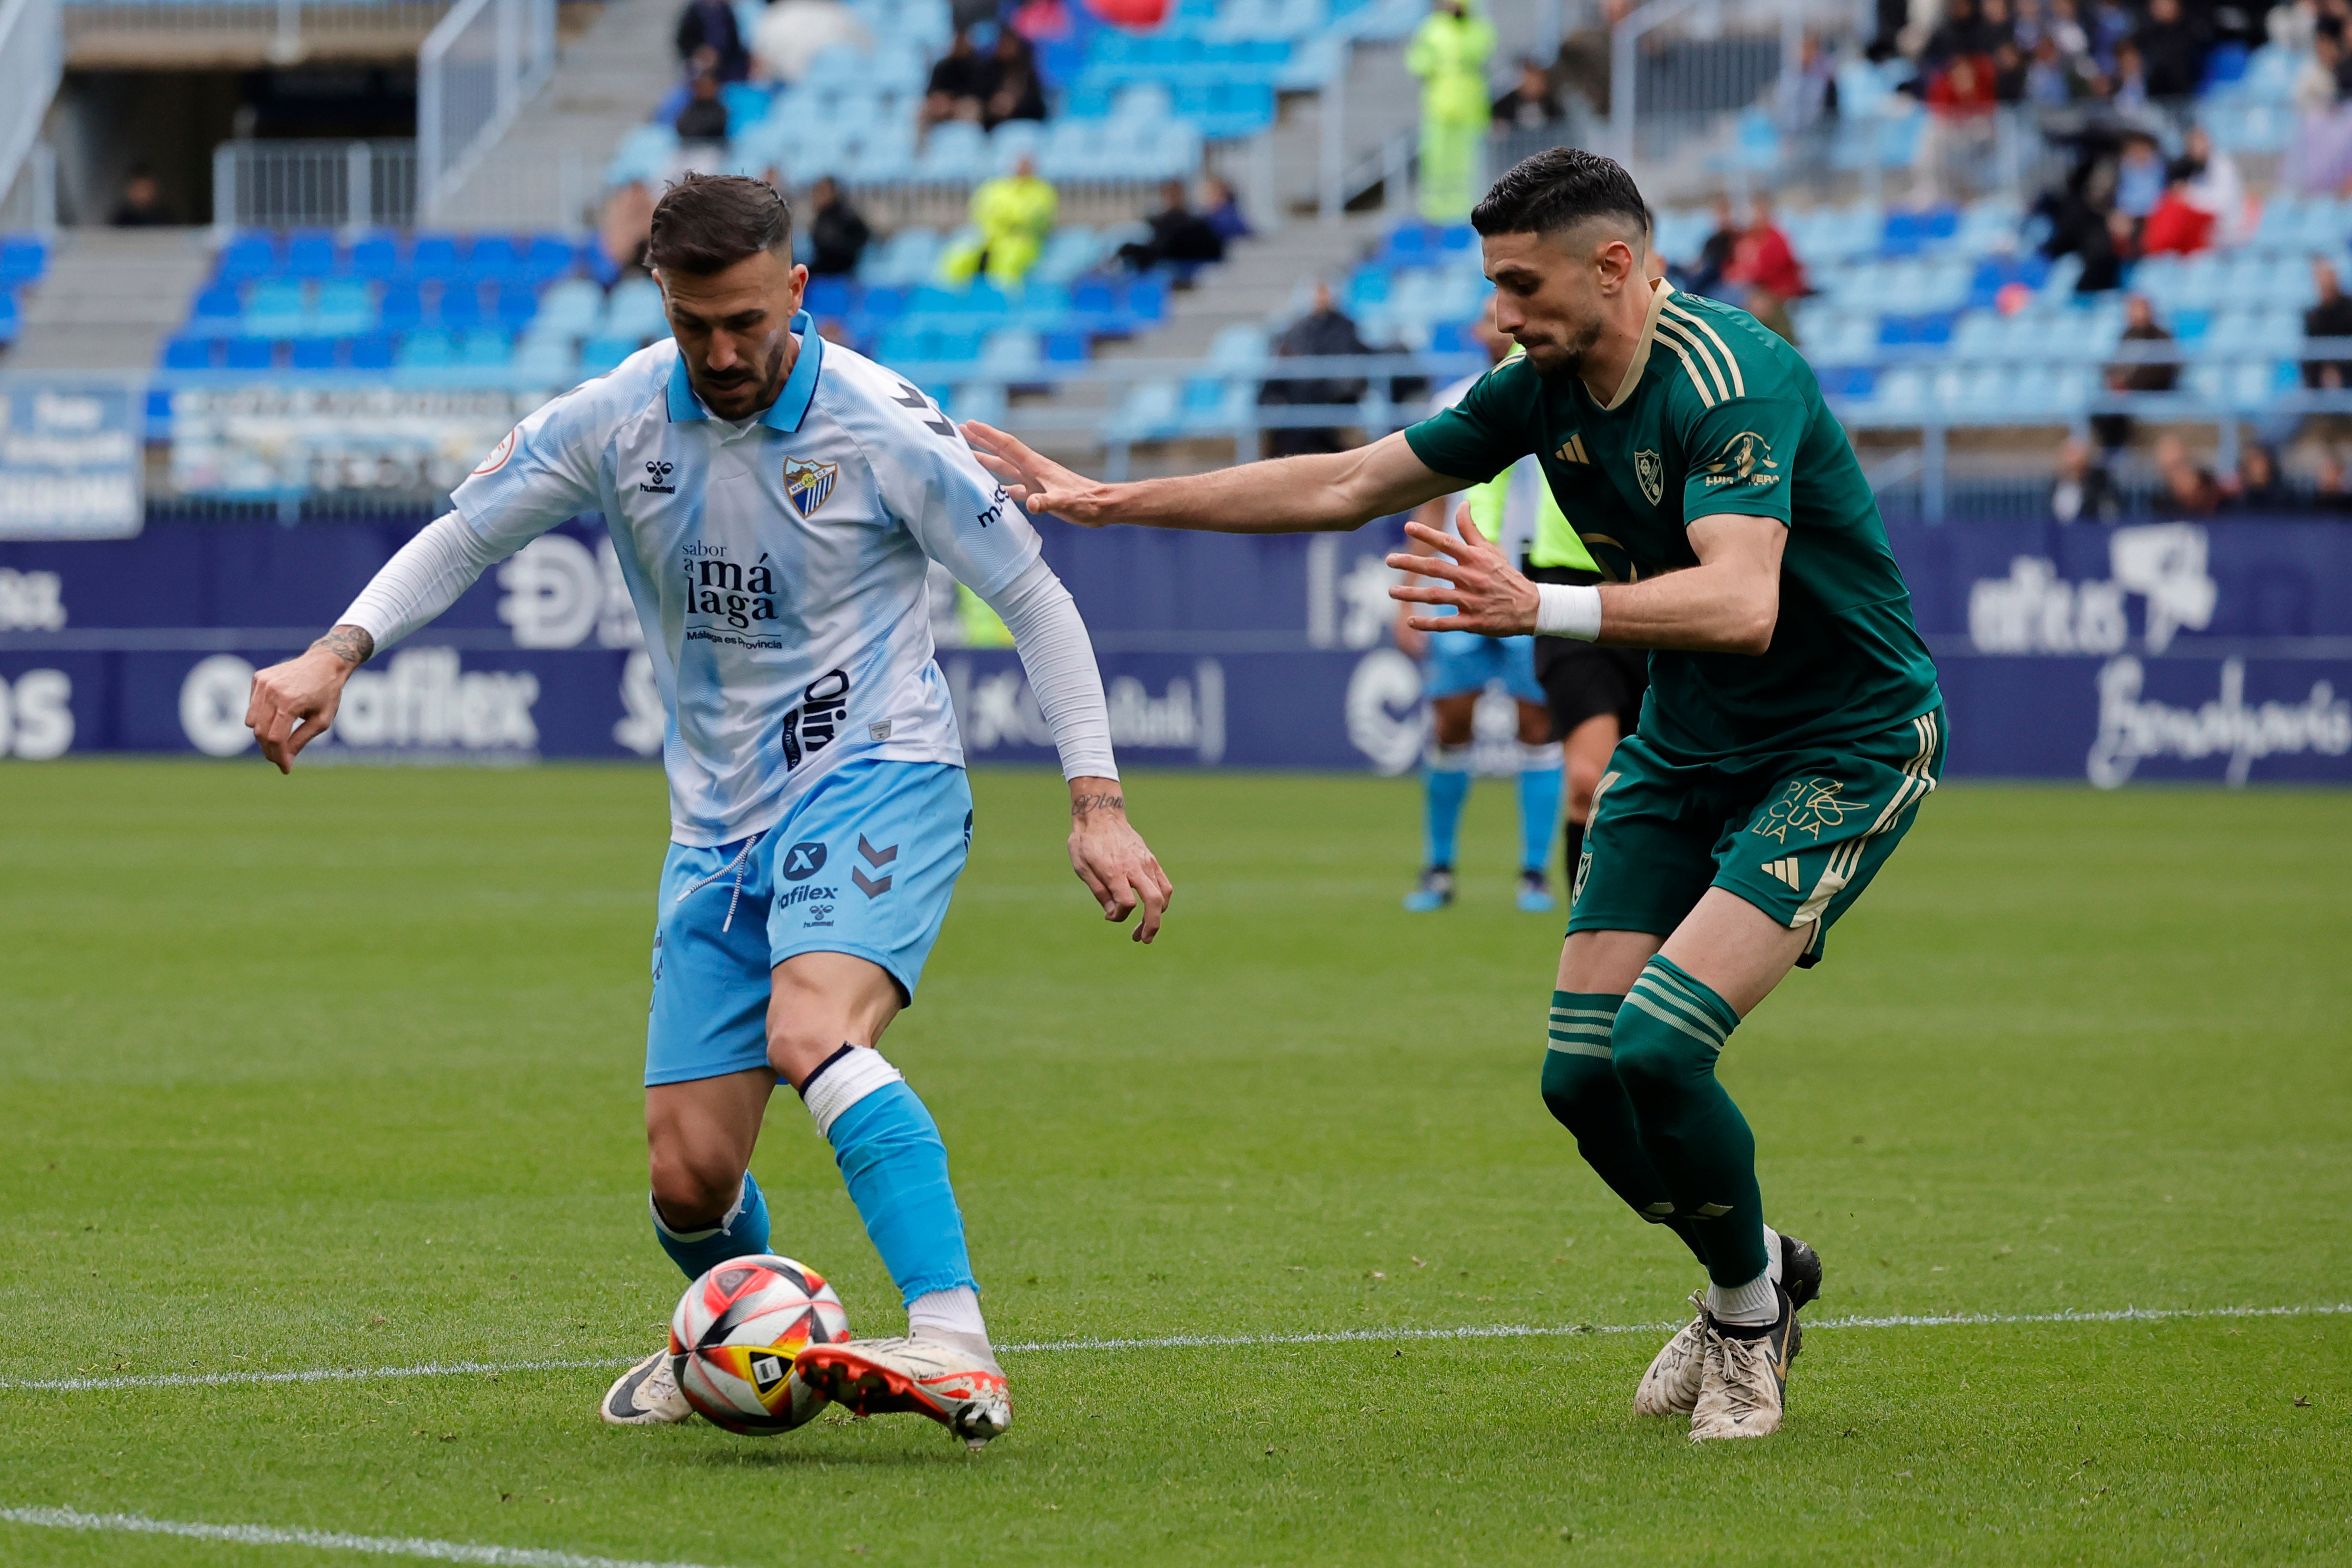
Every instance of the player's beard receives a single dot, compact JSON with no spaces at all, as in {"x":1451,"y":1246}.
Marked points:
{"x":765,"y":387}
{"x":1554,"y":360}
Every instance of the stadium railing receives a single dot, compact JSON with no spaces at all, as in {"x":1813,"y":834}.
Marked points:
{"x":474,"y":72}
{"x":346,"y":185}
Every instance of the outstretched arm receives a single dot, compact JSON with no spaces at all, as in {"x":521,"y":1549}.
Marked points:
{"x":293,"y":702}
{"x":1108,"y":855}
{"x":1327,"y":492}
{"x":1728,"y":604}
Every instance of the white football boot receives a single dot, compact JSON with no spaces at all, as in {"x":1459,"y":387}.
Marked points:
{"x":888,"y":1376}
{"x":1671,"y":1385}
{"x":1745,"y":1385}
{"x":644,"y":1396}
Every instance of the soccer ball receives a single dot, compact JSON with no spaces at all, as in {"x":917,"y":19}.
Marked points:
{"x":734,"y":1337}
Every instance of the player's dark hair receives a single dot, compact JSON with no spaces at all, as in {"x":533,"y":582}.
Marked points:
{"x":708,"y":222}
{"x":1557,"y":189}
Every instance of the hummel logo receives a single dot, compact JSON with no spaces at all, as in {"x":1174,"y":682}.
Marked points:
{"x":871,"y":887}
{"x":875,"y":857}
{"x":1573,"y":451}
{"x":657,"y":479}
{"x":1785,"y":869}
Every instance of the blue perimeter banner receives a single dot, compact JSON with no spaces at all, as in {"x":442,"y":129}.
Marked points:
{"x":2173,"y":651}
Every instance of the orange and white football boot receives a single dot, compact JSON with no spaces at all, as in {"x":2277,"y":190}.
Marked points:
{"x":892,"y":1376}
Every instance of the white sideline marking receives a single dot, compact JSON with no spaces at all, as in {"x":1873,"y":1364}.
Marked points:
{"x":1184,"y":1341}
{"x":323,"y":1540}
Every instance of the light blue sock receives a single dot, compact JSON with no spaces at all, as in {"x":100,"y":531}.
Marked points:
{"x":1539,"y":792}
{"x":1445,"y":785}
{"x":896,"y":1166}
{"x":742,"y":1233}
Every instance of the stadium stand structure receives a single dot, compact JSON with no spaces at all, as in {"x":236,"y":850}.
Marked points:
{"x":106,"y":298}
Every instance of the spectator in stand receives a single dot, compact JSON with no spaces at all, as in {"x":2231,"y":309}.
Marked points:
{"x":1222,"y":211}
{"x":959,"y":81}
{"x":1015,"y":91}
{"x":704,"y":118}
{"x":2256,"y":486}
{"x":2172,"y":47}
{"x":2051,"y":78}
{"x":2330,"y":318}
{"x":2140,"y":175}
{"x":2314,"y":88}
{"x":2149,"y":374}
{"x":2216,"y":187}
{"x":1960,"y":127}
{"x":1582,"y":67}
{"x":2178,"y":226}
{"x":2190,"y":488}
{"x":1324,"y":332}
{"x":2064,"y":28}
{"x":1961,"y":32}
{"x":838,"y":233}
{"x":710,"y":25}
{"x":2126,"y":88}
{"x":2083,"y":492}
{"x":1449,"y":53}
{"x":141,"y":206}
{"x":1713,"y":257}
{"x":1765,"y":263}
{"x":1180,"y":237}
{"x":2010,"y":69}
{"x":1014,"y":214}
{"x":1532,"y":104}
{"x":2083,"y":221}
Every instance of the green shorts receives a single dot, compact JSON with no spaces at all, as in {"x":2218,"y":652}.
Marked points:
{"x":1798,"y":834}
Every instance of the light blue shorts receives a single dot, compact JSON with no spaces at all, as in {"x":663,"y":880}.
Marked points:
{"x":1465,"y":661}
{"x":864,"y":863}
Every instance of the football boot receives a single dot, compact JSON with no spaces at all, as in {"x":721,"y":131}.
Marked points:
{"x":1435,"y":891}
{"x":644,"y":1396}
{"x":1670,"y":1386}
{"x":893,"y":1377}
{"x":1535,"y":894}
{"x":1745,"y":1385}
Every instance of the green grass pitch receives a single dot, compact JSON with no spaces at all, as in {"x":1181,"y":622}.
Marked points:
{"x":341,"y":1071}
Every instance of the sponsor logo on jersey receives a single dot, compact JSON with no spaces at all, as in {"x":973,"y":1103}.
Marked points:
{"x":1572,"y":450}
{"x":656,"y":479}
{"x":810,"y":728}
{"x":1746,"y":459}
{"x":1650,"y":471}
{"x":738,"y":595}
{"x":1785,"y":869}
{"x":1808,"y":806}
{"x":803,"y":861}
{"x":499,"y":456}
{"x":806,"y":484}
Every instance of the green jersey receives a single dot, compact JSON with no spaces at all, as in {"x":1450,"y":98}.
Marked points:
{"x":1716,"y":413}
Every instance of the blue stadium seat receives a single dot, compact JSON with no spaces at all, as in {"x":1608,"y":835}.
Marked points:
{"x":495,"y":260}
{"x":342,"y":309}
{"x":188,"y":354}
{"x":371,"y":351}
{"x":376,"y":257}
{"x":435,"y":257}
{"x":276,"y":308}
{"x":23,"y":259}
{"x":425,"y":349}
{"x":249,"y":354}
{"x":311,"y":252}
{"x":401,"y":309}
{"x":570,"y":307}
{"x":517,"y":303}
{"x":600,"y":354}
{"x":829,"y":295}
{"x":246,"y":255}
{"x":311,"y":354}
{"x":1065,"y":346}
{"x":459,"y":307}
{"x":550,"y":257}
{"x":484,"y":348}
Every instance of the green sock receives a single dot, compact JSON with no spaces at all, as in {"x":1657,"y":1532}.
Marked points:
{"x":1665,"y":1043}
{"x":1581,"y":1088}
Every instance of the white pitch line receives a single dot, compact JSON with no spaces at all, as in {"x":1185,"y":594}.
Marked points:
{"x":323,"y":1540}
{"x":1187,"y":1342}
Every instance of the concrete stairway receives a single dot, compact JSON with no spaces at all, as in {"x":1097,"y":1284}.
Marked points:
{"x":109,"y":298}
{"x":547,"y":171}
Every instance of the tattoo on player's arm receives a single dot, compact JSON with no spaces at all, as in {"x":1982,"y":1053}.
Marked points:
{"x":350,"y":643}
{"x":1086,"y":805}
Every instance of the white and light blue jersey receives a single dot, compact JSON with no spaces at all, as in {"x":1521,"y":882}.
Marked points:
{"x":777,"y":566}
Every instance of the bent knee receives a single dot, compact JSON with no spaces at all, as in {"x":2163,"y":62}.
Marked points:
{"x":1648,"y":1064}
{"x":694,"y":1188}
{"x":1573,"y":1082}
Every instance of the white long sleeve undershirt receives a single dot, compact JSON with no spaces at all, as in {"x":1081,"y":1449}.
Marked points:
{"x":431,"y":570}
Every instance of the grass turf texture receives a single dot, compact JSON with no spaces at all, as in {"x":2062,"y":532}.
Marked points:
{"x":342,"y":1071}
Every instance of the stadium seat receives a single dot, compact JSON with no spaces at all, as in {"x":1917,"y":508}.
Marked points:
{"x":246,"y":255}
{"x":376,"y":257}
{"x":276,"y":308}
{"x":459,"y":305}
{"x":311,"y":354}
{"x":633,"y":310}
{"x":249,"y":354}
{"x":188,"y":354}
{"x":435,"y":257}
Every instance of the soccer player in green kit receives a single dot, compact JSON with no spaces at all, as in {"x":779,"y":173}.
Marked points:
{"x":1793,"y":725}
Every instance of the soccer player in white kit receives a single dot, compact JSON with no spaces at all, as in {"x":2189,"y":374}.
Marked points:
{"x":776,"y":501}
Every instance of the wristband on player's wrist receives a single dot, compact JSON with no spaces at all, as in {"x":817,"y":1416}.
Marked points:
{"x":1567,"y":610}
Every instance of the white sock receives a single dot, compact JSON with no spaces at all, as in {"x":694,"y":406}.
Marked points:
{"x":1757,"y":1302}
{"x":952,"y":1318}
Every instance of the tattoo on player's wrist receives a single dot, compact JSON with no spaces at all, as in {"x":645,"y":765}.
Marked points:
{"x":353,"y":644}
{"x":1081,"y":805}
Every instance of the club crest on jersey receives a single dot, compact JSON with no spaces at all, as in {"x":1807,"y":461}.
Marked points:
{"x":1650,"y":471}
{"x":806,"y":484}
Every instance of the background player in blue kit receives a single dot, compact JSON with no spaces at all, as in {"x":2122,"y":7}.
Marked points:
{"x":1457,"y":667}
{"x":776,"y":502}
